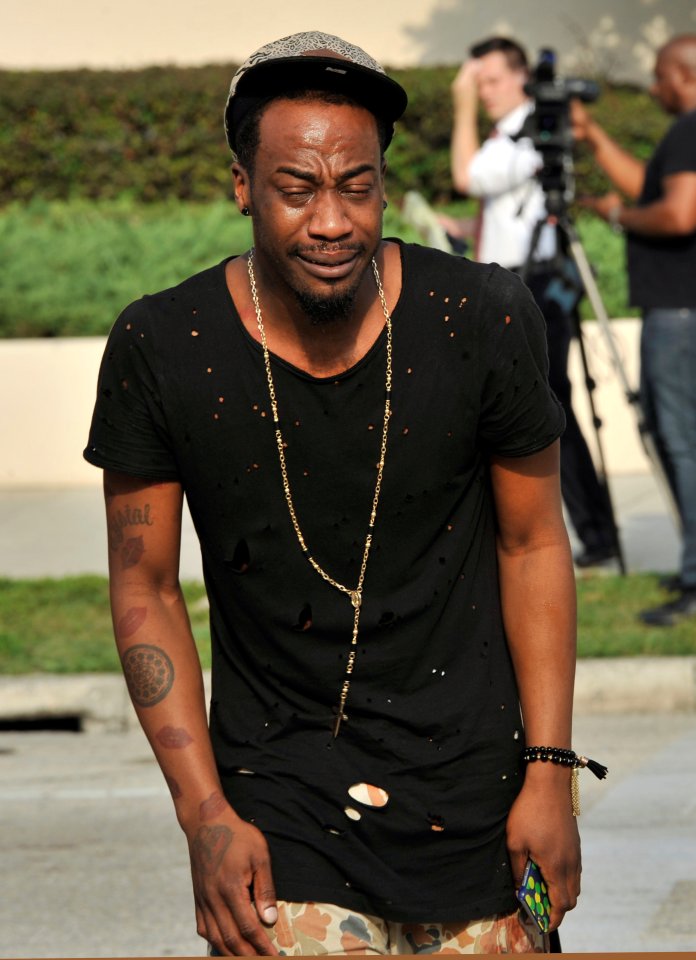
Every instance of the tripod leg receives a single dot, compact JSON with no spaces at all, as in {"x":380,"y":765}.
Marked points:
{"x":602,"y":475}
{"x":590,"y":286}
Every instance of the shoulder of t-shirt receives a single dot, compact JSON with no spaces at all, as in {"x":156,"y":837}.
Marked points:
{"x":496,"y":285}
{"x":198,"y":288}
{"x":681,"y":135}
{"x":430,"y":264}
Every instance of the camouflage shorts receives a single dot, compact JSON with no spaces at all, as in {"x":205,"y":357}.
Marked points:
{"x":311,"y":929}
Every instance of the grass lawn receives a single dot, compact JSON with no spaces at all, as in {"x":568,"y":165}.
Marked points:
{"x":64,"y":626}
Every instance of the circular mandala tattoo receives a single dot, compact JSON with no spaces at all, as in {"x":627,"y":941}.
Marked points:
{"x":149,"y":674}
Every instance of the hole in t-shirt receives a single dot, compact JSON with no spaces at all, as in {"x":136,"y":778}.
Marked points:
{"x":329,"y":827}
{"x":437,"y":823}
{"x":352,"y":813}
{"x":241,"y":558}
{"x":304,"y":618}
{"x":368,"y":794}
{"x":245,"y":772}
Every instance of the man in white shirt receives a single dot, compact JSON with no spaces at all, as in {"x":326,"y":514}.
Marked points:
{"x":502,"y":173}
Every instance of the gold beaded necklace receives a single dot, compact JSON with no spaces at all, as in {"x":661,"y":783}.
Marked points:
{"x":356,"y":595}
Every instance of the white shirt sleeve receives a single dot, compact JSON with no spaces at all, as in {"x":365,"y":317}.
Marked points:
{"x":502,"y":164}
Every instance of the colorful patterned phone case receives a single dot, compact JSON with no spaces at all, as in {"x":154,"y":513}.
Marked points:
{"x":534,"y":896}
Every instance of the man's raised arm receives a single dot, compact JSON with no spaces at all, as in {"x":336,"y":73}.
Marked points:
{"x":229,"y":857}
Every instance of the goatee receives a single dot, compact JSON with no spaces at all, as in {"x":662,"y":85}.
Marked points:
{"x":333,"y":308}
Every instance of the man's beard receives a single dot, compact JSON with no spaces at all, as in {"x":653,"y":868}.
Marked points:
{"x":333,"y":308}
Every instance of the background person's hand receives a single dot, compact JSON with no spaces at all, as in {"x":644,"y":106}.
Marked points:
{"x":602,"y":206}
{"x":232,"y":885}
{"x":465,"y":83}
{"x":580,"y":120}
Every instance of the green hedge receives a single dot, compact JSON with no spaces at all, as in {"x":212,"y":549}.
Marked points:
{"x":69,"y":267}
{"x":157,"y":133}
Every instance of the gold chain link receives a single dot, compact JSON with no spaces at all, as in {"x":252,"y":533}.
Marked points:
{"x":356,"y":594}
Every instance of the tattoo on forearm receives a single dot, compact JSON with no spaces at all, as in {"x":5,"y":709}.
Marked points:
{"x":132,"y":552}
{"x":149,"y":674}
{"x":128,"y":517}
{"x":173,"y":738}
{"x":212,"y":807}
{"x":210,"y":846}
{"x":131,"y":621}
{"x":174,"y":788}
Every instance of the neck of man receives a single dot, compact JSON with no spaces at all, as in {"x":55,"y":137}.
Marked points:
{"x":321,"y":346}
{"x":688,"y":102}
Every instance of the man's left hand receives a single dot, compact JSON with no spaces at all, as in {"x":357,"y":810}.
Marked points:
{"x":541,"y":826}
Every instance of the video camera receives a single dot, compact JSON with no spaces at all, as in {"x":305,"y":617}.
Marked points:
{"x":549,"y":126}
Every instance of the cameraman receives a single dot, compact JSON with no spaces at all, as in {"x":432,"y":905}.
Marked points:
{"x":502,"y":172}
{"x":661,"y":241}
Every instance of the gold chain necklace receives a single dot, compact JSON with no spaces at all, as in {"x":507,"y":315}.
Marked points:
{"x":355,"y":595}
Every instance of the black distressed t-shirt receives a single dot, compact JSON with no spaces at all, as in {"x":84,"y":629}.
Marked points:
{"x":403,"y":815}
{"x":661,"y":269}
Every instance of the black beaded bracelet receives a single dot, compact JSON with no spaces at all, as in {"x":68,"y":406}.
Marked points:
{"x":565,"y":758}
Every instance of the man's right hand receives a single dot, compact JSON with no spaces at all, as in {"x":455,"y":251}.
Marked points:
{"x":465,"y":84}
{"x":232,"y":884}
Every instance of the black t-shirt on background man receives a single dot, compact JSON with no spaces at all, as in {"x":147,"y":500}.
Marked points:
{"x":662,"y":270}
{"x":434,"y":722}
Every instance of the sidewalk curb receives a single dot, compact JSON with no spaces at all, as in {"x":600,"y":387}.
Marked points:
{"x":602,"y":686}
{"x":635,"y":684}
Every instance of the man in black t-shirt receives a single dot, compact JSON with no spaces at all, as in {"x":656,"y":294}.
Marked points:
{"x":661,"y":244}
{"x":366,"y":439}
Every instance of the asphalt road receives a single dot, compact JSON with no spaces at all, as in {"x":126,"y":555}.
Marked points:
{"x":94,"y":864}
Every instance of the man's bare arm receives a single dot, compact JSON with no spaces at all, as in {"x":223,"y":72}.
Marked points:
{"x":673,"y":215}
{"x":625,"y":171}
{"x":465,"y":138}
{"x":160,"y":662}
{"x":538,"y":602}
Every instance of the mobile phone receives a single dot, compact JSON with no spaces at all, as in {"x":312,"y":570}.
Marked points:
{"x":534,"y":896}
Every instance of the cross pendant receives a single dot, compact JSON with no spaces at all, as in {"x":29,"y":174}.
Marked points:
{"x":337,"y":722}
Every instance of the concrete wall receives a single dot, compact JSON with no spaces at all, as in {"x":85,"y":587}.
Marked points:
{"x":47,"y":391}
{"x":614,"y":37}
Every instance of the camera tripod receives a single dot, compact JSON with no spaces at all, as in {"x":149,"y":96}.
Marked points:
{"x":582,"y":281}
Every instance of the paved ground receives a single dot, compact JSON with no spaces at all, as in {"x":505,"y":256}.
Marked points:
{"x":94,"y":864}
{"x":57,"y":532}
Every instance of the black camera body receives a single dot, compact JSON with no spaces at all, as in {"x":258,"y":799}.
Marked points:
{"x":549,"y":126}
